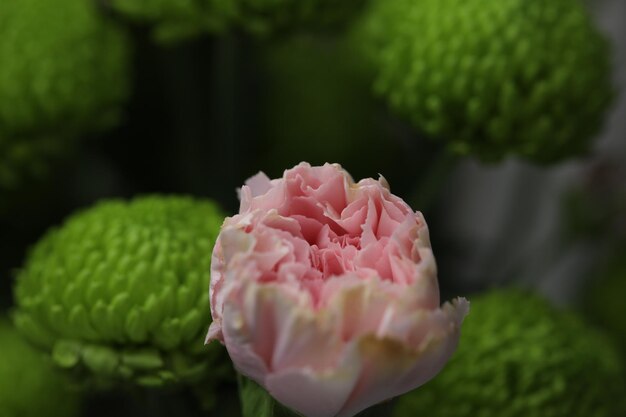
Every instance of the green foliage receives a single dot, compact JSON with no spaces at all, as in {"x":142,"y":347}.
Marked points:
{"x":120,"y":291}
{"x":176,"y":19}
{"x":492,"y":78}
{"x":64,"y":72}
{"x":29,"y":387}
{"x":518,"y":356}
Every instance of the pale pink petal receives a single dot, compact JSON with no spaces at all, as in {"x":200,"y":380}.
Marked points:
{"x":325,"y":292}
{"x":306,"y":341}
{"x":316,"y":394}
{"x":390,"y":368}
{"x":239,"y":346}
{"x":310,"y":228}
{"x":261,"y":193}
{"x":357,"y":305}
{"x":259,"y":184}
{"x":286,"y":224}
{"x":235,"y":243}
{"x":386,"y":225}
{"x":368,"y":234}
{"x":353,"y":217}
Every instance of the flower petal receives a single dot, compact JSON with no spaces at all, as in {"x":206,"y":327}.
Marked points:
{"x":316,"y":394}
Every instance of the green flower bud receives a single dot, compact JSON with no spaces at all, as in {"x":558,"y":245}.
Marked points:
{"x":518,"y":356}
{"x":176,"y":19}
{"x":29,"y":386}
{"x":64,"y":72}
{"x":492,"y":78}
{"x":119,"y":292}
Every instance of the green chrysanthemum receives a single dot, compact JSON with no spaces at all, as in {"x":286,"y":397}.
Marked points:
{"x":181,"y":18}
{"x":492,"y":78}
{"x":64,"y":72}
{"x":29,"y":387}
{"x":518,"y":356}
{"x":119,"y":291}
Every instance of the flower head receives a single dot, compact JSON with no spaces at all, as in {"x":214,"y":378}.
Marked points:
{"x":325,"y":292}
{"x":116,"y":293}
{"x":519,"y":356}
{"x":64,"y":72}
{"x":530,"y":78}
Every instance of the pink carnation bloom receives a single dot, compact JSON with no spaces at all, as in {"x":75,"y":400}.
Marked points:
{"x":325,"y":292}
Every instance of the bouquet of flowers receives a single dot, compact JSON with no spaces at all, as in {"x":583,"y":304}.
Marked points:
{"x":142,"y":274}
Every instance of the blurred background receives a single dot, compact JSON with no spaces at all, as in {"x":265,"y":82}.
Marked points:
{"x":203,"y":109}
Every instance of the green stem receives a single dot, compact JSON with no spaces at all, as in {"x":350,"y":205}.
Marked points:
{"x":257,"y":402}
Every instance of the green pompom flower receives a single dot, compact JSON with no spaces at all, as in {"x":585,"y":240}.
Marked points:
{"x":118,"y":293}
{"x":519,"y":357}
{"x":492,"y":78}
{"x":175,"y":19}
{"x":29,"y":387}
{"x":64,"y":72}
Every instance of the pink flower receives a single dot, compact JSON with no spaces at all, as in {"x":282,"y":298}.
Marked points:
{"x":325,"y":292}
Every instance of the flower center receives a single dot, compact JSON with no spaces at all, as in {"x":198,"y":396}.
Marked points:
{"x":335,"y":256}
